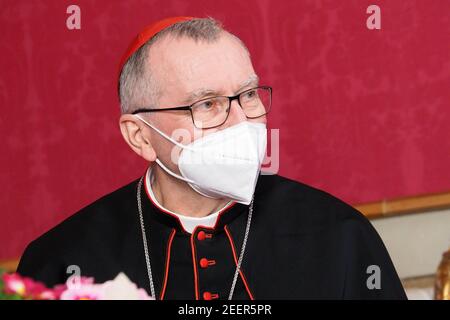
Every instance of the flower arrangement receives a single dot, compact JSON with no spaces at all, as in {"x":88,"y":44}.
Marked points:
{"x":15,"y":287}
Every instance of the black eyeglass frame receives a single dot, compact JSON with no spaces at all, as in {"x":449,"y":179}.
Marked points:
{"x":230,"y":99}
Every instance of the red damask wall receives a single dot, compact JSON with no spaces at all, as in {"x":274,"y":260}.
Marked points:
{"x":363,"y":114}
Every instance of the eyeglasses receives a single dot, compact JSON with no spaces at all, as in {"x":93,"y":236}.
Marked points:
{"x":213,"y":112}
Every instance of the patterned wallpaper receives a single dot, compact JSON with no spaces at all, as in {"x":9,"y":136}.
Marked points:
{"x":363,"y":114}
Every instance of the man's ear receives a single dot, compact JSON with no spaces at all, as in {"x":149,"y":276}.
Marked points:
{"x":137,"y":137}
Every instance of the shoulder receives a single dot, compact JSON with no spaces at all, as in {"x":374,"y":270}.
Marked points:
{"x":103,"y":215}
{"x":310,"y":207}
{"x":310,"y":220}
{"x":96,"y":223}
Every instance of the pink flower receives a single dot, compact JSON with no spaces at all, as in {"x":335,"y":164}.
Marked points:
{"x":25,"y":287}
{"x":47,"y":295}
{"x":121,"y":288}
{"x":143,"y":295}
{"x":76,"y":288}
{"x":80,"y":288}
{"x":37,"y":290}
{"x":83,"y":292}
{"x":72,"y":282}
{"x":58,"y":290}
{"x":14,"y":284}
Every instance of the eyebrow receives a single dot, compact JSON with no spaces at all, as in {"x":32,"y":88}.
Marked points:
{"x":203,"y":92}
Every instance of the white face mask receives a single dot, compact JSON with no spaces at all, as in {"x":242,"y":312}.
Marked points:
{"x":223,"y":164}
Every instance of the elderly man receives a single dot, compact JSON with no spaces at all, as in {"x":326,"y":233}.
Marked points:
{"x":202,"y":223}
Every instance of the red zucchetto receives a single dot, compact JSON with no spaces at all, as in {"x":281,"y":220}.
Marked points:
{"x":146,"y":34}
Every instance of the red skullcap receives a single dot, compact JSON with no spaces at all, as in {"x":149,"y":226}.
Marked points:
{"x":146,"y":34}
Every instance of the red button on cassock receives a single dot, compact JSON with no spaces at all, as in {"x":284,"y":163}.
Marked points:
{"x":201,"y":235}
{"x":204,"y":263}
{"x":209,"y":296}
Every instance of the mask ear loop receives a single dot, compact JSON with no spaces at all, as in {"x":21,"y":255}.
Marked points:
{"x":173,"y":174}
{"x":189,"y":181}
{"x":164,"y":135}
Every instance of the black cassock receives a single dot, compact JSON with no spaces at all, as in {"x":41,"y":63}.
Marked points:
{"x":303,"y":244}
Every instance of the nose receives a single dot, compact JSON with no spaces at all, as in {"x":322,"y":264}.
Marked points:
{"x":236,"y":115}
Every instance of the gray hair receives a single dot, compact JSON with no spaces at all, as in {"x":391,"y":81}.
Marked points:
{"x":137,"y":88}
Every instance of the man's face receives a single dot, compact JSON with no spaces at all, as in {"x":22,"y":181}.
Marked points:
{"x":181,"y":67}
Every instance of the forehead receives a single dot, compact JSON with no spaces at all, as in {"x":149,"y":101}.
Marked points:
{"x":181,"y":65}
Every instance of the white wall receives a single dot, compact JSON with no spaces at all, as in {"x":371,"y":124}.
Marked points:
{"x":416,"y":242}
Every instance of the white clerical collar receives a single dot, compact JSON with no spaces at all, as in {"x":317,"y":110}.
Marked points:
{"x":188,"y":223}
